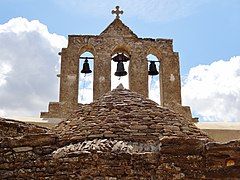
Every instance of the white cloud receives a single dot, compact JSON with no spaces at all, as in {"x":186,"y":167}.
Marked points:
{"x":4,"y":70}
{"x":213,"y":91}
{"x":28,"y":63}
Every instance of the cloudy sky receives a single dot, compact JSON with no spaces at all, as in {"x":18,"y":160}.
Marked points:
{"x":205,"y":33}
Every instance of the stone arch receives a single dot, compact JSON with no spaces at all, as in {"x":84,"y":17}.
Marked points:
{"x":81,"y":50}
{"x":85,"y":81}
{"x":159,"y":78}
{"x":87,"y":48}
{"x":154,"y":51}
{"x":122,"y":48}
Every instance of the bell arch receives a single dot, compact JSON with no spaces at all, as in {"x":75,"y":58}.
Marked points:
{"x":154,"y":78}
{"x":169,"y":77}
{"x":155,"y":52}
{"x":121,"y":48}
{"x":87,"y":48}
{"x":85,"y":80}
{"x":156,"y":55}
{"x":120,"y":67}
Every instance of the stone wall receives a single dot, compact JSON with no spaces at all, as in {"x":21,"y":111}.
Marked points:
{"x":40,"y":155}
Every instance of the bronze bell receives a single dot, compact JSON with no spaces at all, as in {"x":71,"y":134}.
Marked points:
{"x":120,"y":69}
{"x":86,"y":68}
{"x":152,"y":69}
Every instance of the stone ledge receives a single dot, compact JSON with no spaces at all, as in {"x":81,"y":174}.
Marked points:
{"x":219,"y":125}
{"x":29,"y":140}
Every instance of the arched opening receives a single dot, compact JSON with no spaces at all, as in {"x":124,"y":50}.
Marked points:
{"x":154,"y":78}
{"x":117,"y":68}
{"x":85,"y":85}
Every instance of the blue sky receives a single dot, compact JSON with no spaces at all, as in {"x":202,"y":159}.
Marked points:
{"x":205,"y":33}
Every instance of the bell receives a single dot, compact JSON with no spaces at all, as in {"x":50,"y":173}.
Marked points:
{"x":86,"y":68}
{"x":120,"y":69}
{"x":152,"y":69}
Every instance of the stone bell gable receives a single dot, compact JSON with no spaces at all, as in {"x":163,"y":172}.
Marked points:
{"x":118,"y":29}
{"x":118,"y":38}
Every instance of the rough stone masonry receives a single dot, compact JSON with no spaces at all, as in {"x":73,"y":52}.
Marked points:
{"x":121,"y":135}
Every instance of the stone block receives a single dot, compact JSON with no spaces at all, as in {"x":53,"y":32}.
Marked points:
{"x":182,"y":146}
{"x":22,"y":149}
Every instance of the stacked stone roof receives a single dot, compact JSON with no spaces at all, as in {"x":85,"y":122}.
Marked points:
{"x":124,"y":115}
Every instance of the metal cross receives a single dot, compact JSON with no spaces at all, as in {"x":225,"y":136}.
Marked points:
{"x":117,"y":12}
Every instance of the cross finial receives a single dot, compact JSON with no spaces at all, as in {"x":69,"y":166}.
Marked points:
{"x":117,"y":12}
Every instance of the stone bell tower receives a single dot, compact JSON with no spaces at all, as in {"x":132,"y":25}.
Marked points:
{"x":118,"y":38}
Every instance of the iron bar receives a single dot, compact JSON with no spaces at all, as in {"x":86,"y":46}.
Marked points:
{"x":152,"y":60}
{"x":87,"y":57}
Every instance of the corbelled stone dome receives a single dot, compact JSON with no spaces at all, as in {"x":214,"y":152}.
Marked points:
{"x":125,"y":115}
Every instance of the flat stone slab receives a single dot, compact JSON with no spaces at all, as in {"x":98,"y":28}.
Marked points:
{"x":219,"y":125}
